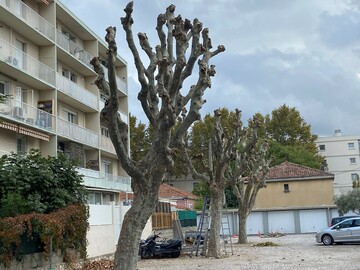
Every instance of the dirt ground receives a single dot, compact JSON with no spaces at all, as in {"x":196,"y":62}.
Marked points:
{"x":293,"y":252}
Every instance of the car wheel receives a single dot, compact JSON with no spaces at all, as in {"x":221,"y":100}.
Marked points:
{"x":327,"y":240}
{"x":175,"y":254}
{"x":145,"y":254}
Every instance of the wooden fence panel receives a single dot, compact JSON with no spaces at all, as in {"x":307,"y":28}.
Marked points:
{"x":161,"y":220}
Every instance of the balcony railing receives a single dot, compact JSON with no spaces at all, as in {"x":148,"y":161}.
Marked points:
{"x":121,"y":84}
{"x":106,"y":144}
{"x":123,"y":116}
{"x":75,"y":91}
{"x":103,"y":180}
{"x":22,"y":61}
{"x":71,"y":47}
{"x":77,"y":133}
{"x":29,"y":16}
{"x":21,"y":112}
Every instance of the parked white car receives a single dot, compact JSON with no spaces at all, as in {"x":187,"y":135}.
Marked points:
{"x":342,"y":232}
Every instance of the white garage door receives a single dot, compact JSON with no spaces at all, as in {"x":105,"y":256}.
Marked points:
{"x":254,"y":223}
{"x":312,"y":220}
{"x":282,"y":222}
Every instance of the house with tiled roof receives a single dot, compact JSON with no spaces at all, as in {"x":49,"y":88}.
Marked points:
{"x":181,"y":198}
{"x":291,"y":186}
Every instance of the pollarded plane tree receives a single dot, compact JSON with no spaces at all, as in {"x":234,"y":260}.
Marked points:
{"x":161,"y":82}
{"x":214,"y":170}
{"x":254,"y":160}
{"x":236,"y":155}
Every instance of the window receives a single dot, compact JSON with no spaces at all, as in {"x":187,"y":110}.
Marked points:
{"x":18,"y":96}
{"x":351,"y":145}
{"x":20,"y":144}
{"x":19,"y":60}
{"x":2,"y":88}
{"x":70,"y":75}
{"x":105,"y":132}
{"x":98,"y":198}
{"x":94,"y":198}
{"x":345,"y":224}
{"x":354,"y":177}
{"x":356,"y":223}
{"x":70,"y":116}
{"x":286,"y":188}
{"x":107,"y":167}
{"x":322,"y":147}
{"x":352,"y":160}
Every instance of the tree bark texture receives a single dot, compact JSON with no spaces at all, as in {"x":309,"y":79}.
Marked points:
{"x":216,"y":206}
{"x":163,"y":105}
{"x":242,"y":216}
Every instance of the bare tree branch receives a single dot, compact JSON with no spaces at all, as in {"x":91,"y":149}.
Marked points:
{"x":127,"y":22}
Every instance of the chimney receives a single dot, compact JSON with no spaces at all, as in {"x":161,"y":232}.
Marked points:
{"x":337,"y":132}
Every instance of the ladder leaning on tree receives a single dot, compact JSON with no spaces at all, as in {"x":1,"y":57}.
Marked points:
{"x":226,"y":231}
{"x":204,"y":226}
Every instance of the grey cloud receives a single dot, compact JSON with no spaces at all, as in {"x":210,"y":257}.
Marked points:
{"x":340,"y":30}
{"x":301,"y":53}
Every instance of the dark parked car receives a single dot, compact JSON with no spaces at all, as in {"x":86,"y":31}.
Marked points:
{"x":347,"y":230}
{"x":336,"y":220}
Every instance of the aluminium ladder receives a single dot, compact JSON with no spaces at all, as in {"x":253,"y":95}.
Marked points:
{"x":201,"y":237}
{"x":226,"y":231}
{"x":204,"y":224}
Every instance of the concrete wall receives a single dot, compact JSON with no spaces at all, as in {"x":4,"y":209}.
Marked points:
{"x":105,"y":225}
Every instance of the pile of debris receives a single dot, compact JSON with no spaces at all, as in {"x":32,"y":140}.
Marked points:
{"x":275,"y":234}
{"x":102,"y":264}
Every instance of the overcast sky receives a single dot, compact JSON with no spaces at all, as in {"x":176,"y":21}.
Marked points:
{"x":305,"y":54}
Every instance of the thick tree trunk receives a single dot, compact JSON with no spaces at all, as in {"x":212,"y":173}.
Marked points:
{"x":216,"y":204}
{"x":126,"y":255}
{"x":243,"y":215}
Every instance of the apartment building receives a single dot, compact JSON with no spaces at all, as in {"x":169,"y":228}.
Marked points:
{"x":342,"y":155}
{"x":54,"y":106}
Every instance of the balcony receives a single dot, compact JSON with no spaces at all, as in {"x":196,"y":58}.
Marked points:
{"x":75,"y":91}
{"x":26,"y":114}
{"x":38,"y":25}
{"x":121,"y":84}
{"x":123,"y":116}
{"x":72,"y":48}
{"x":18,"y":63}
{"x":105,"y":181}
{"x":76,"y":133}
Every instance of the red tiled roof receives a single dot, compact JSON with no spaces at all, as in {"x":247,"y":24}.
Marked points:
{"x":167,"y":191}
{"x":291,"y":171}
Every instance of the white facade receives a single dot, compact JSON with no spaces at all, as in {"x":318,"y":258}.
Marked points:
{"x":342,"y":155}
{"x":45,"y":54}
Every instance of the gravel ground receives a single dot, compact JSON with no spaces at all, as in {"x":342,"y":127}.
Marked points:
{"x":293,"y":252}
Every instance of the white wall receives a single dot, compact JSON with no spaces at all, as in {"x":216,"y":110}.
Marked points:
{"x":105,"y":225}
{"x":337,"y":154}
